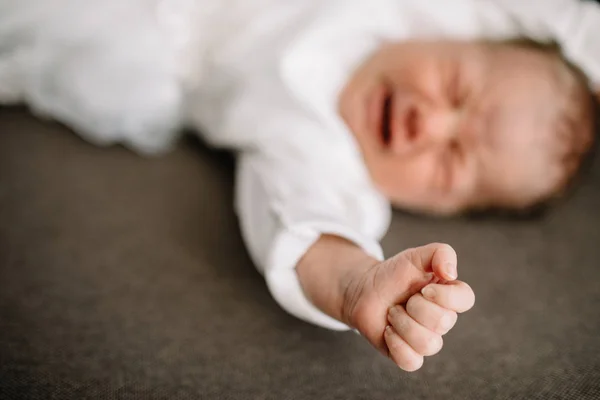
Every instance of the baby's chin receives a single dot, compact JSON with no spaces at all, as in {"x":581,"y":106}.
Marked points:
{"x":512,"y":211}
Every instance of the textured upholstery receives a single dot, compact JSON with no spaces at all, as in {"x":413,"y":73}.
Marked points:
{"x":123,"y":277}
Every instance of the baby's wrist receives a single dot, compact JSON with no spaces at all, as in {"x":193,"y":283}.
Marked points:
{"x":329,"y":272}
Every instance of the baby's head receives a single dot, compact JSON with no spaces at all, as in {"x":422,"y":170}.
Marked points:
{"x":446,"y":127}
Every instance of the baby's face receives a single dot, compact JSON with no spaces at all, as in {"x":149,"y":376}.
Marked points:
{"x":445,"y":126}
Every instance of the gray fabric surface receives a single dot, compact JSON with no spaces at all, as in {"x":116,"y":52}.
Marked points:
{"x":126,"y":278}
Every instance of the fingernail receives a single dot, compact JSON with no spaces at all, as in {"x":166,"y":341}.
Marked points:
{"x":436,"y":341}
{"x":393,"y":310}
{"x":446,"y":322}
{"x":388,"y":329}
{"x":450,"y":271}
{"x":428,"y":292}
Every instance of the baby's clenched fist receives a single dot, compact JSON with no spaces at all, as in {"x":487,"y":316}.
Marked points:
{"x":404,"y":305}
{"x":415,"y":330}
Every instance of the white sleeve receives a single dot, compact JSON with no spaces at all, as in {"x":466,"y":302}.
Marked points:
{"x":283,"y":209}
{"x":574,"y":24}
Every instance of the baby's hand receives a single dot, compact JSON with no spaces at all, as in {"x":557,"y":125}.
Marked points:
{"x":405,"y":304}
{"x":416,"y":329}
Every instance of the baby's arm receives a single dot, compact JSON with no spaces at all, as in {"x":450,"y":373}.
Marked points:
{"x":383,"y":300}
{"x":316,"y":243}
{"x":326,"y":271}
{"x":283,"y":211}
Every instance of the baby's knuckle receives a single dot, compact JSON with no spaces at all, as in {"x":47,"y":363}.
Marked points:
{"x":468,"y":297}
{"x":446,"y":321}
{"x":392,"y":342}
{"x":445,"y":249}
{"x":402,"y":325}
{"x":471,"y":300}
{"x":410,"y":257}
{"x":466,"y":287}
{"x":410,"y":363}
{"x":396,"y":350}
{"x":432,"y":345}
{"x":413,"y":304}
{"x":443,"y":246}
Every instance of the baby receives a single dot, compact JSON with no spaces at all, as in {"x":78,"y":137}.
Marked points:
{"x":335,"y":109}
{"x":446,"y":127}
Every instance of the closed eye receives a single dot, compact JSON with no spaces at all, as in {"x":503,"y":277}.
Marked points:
{"x":457,"y":92}
{"x":453,"y":92}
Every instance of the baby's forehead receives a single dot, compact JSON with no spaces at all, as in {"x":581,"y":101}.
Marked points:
{"x":548,"y":132}
{"x":530,"y":118}
{"x":541,"y":84}
{"x":522,"y":156}
{"x":517,"y":56}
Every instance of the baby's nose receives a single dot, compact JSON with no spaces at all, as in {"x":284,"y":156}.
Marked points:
{"x":419,"y":127}
{"x":441,"y":126}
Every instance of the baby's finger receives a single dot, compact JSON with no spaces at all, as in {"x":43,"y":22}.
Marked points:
{"x":424,"y":341}
{"x":400,"y":352}
{"x":440,"y":258}
{"x":456,"y":296}
{"x":445,"y":262}
{"x":432,"y":316}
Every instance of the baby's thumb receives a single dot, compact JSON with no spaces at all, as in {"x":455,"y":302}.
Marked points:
{"x":439,"y":258}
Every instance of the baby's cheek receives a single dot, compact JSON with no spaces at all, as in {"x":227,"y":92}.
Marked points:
{"x":408,"y":181}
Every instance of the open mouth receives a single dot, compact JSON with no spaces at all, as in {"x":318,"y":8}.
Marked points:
{"x":399,"y":124}
{"x":386,"y":117}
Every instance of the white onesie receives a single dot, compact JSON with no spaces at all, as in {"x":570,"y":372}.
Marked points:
{"x":260,"y":77}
